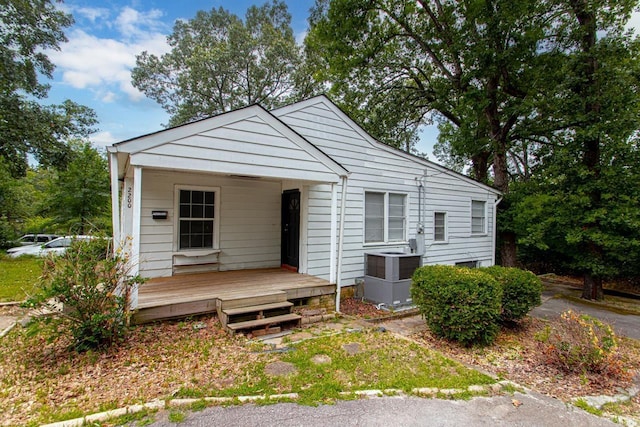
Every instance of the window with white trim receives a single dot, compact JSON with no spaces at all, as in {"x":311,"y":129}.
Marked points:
{"x":196,"y":219}
{"x":478,"y":217}
{"x":440,"y":227}
{"x":385,"y":217}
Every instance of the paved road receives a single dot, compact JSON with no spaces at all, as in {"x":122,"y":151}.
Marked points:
{"x":536,"y":410}
{"x":623,"y":324}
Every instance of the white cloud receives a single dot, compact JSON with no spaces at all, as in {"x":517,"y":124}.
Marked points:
{"x":104,"y":65}
{"x":102,"y":139}
{"x":300,"y":37}
{"x":634,"y":22}
{"x":92,"y":13}
{"x":132,"y":23}
{"x":108,"y":97}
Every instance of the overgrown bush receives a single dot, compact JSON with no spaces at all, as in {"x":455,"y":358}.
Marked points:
{"x":521,"y":291}
{"x":88,"y":291}
{"x":460,"y":304}
{"x":578,"y":343}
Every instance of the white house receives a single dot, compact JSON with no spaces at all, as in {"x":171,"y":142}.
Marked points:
{"x":301,"y":187}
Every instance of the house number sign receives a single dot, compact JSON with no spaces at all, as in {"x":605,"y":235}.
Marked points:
{"x":129,"y":197}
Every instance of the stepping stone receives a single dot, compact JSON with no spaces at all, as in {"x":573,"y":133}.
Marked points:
{"x":352,"y":348}
{"x":300,"y":336}
{"x":321,"y":359}
{"x":280,"y":369}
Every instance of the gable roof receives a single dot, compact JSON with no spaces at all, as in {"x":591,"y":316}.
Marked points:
{"x":250,"y":136}
{"x":329,"y":104}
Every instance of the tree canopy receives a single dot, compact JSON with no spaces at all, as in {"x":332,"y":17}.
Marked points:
{"x":541,"y":90}
{"x":26,"y":127}
{"x":218,"y":62}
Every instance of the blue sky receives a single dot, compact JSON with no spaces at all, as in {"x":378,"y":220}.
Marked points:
{"x":94,"y":67}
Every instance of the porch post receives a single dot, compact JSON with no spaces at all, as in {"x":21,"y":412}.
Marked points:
{"x":334,"y":236}
{"x":343,"y":207}
{"x":135,"y":230}
{"x":115,"y":200}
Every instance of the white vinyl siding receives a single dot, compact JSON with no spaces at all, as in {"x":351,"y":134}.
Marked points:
{"x":248,"y":213}
{"x":440,"y":226}
{"x":377,"y":168}
{"x":478,"y":217}
{"x":384,"y":217}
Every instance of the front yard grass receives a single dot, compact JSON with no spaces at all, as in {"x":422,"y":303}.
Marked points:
{"x":19,"y":276}
{"x":42,"y":381}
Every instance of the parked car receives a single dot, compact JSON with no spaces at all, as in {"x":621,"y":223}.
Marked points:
{"x":56,"y":246}
{"x":33,"y":239}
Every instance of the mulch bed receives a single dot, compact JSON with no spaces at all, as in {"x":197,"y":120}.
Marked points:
{"x":358,"y":307}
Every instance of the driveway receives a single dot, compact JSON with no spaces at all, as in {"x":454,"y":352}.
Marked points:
{"x":534,"y":410}
{"x":552,"y":305}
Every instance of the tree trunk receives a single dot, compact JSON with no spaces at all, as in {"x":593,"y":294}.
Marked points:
{"x":508,"y":252}
{"x":592,"y":288}
{"x":589,"y":90}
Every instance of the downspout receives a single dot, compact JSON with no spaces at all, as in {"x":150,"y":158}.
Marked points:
{"x":343,"y":206}
{"x":115,"y":200}
{"x":495,"y":232}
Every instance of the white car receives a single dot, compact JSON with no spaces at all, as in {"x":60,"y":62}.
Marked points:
{"x":57,"y":246}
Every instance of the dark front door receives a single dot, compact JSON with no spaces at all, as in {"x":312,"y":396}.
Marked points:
{"x":291,"y":229}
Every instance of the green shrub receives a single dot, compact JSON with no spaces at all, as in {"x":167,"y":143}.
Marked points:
{"x":460,"y":304}
{"x":577,"y":343}
{"x":88,"y":290}
{"x":521,"y":291}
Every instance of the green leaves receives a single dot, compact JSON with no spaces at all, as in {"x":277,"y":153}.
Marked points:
{"x":27,"y":29}
{"x":219,"y":63}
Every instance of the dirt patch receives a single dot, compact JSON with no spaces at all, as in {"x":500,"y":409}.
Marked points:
{"x":517,"y":355}
{"x":363,"y":309}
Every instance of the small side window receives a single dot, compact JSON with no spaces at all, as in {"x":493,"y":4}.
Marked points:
{"x":440,"y":226}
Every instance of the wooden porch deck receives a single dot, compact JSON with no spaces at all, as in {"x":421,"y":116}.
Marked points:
{"x":190,"y":294}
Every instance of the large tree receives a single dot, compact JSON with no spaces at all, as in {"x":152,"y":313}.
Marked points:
{"x":587,"y":180}
{"x":27,"y":29}
{"x":218,"y":62}
{"x":471,"y":65}
{"x":78,"y":199}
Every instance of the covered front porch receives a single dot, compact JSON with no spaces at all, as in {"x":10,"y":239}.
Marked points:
{"x":192,"y":294}
{"x":234,"y":196}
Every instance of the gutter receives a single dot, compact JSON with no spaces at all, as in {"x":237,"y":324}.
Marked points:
{"x":343,"y":206}
{"x":495,"y":231}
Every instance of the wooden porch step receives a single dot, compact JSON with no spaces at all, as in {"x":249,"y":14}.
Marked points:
{"x":256,"y":308}
{"x":250,"y":298}
{"x":267,"y":321}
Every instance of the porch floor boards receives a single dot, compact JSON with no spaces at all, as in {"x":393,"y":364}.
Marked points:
{"x":235,"y":284}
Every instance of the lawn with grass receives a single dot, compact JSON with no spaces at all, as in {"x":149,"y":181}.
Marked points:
{"x":19,"y":276}
{"x":42,"y":381}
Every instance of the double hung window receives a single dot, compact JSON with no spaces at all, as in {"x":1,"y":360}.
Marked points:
{"x":385,"y":217}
